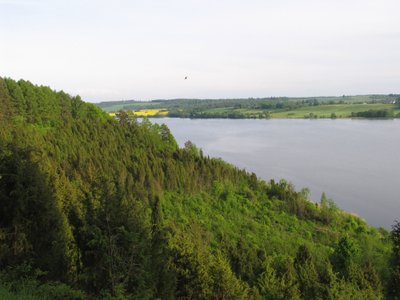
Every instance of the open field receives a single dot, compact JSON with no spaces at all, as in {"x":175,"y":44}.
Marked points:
{"x":325,"y":111}
{"x":150,"y":112}
{"x":145,"y":113}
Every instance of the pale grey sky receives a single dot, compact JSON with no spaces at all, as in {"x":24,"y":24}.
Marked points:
{"x":112,"y":50}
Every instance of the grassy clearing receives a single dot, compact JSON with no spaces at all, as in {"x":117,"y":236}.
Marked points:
{"x":325,"y":111}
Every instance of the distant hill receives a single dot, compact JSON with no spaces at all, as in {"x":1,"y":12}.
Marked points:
{"x":98,"y":207}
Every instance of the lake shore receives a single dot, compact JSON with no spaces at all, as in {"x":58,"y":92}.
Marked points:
{"x":353,"y":161}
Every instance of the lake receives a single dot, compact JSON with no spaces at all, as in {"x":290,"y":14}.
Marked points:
{"x":355,"y":162}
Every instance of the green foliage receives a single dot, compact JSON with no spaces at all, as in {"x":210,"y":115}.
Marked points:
{"x":278,"y":285}
{"x":23,"y":282}
{"x":344,"y":256}
{"x":31,"y":290}
{"x":96,"y":207}
{"x":328,"y":209}
{"x":394,"y":286}
{"x":384,"y":113}
{"x":307,"y":274}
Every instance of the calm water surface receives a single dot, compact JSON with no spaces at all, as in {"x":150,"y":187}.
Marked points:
{"x":355,"y":162}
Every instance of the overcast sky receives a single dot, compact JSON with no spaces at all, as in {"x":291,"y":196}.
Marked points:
{"x":112,"y":50}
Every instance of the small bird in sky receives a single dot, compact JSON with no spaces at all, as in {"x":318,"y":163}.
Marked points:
{"x":186,"y":77}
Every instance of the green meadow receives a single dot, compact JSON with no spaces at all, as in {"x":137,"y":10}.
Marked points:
{"x":326,"y":111}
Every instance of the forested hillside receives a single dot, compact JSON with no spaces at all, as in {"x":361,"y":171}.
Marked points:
{"x":95,"y":207}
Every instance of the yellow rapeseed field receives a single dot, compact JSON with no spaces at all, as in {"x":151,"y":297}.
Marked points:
{"x":144,"y":113}
{"x":150,"y":112}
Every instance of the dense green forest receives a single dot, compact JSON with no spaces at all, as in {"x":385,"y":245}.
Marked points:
{"x":93,"y":207}
{"x":364,"y":106}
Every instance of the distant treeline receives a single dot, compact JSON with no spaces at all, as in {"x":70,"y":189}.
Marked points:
{"x":256,"y":103}
{"x":264,"y":108}
{"x":383,"y":113}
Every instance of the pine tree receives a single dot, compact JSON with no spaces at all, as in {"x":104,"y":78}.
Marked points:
{"x":394,"y":286}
